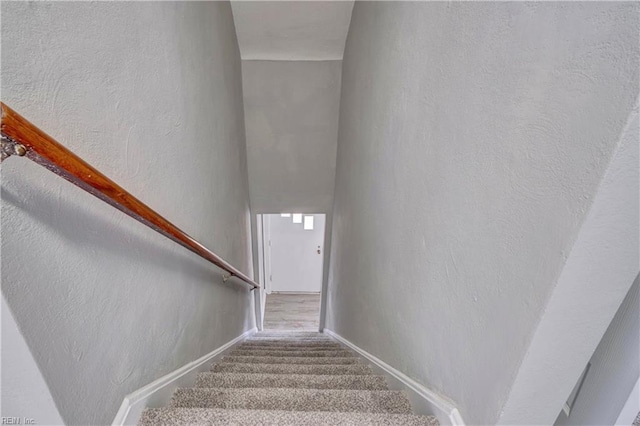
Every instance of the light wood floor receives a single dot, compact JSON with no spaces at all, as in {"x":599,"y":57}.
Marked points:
{"x":292,"y":312}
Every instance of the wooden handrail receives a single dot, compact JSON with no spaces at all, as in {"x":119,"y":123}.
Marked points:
{"x":20,"y":137}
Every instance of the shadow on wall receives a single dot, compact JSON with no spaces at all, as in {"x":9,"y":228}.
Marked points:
{"x":113,"y":237}
{"x":98,"y":334}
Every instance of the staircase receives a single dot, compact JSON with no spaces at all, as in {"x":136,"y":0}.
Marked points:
{"x":288,"y":378}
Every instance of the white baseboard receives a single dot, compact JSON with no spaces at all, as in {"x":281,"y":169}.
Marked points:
{"x":424,"y":401}
{"x":158,"y":393}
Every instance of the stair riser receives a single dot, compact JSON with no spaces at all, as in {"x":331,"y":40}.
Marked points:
{"x":307,"y":354}
{"x":328,"y":369}
{"x":259,"y":347}
{"x":286,"y":341}
{"x":291,"y":334}
{"x":290,"y":360}
{"x":214,"y":380}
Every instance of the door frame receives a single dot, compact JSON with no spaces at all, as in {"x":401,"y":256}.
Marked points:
{"x":266,"y":255}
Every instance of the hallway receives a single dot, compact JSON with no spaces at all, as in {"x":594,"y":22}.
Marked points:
{"x":292,"y":312}
{"x":468,"y":172}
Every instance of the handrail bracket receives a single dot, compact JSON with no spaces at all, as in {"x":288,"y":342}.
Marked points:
{"x":21,"y":138}
{"x":10,"y":147}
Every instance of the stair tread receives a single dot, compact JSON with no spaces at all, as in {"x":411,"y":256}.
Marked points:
{"x":333,"y":347}
{"x":289,"y":333}
{"x":212,"y":416}
{"x":288,"y":378}
{"x":289,"y":344}
{"x":306,"y":381}
{"x":317,"y":369}
{"x":305,"y":340}
{"x":302,"y":353}
{"x":290,"y":360}
{"x":371,"y":401}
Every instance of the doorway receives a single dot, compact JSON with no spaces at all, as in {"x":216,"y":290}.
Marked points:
{"x":292,"y":264}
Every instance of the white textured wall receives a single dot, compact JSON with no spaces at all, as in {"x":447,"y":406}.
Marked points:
{"x":150,"y":93}
{"x":291,"y":110}
{"x":472,"y":139}
{"x":25,"y":394}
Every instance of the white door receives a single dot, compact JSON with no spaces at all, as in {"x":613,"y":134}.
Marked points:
{"x":293,"y":254}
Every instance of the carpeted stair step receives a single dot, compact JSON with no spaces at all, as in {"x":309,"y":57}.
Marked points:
{"x":291,"y":348}
{"x":290,"y":360}
{"x":288,"y":378}
{"x":316,"y":369}
{"x":292,"y":344}
{"x":300,"y":381}
{"x":302,"y":353}
{"x":218,"y":417}
{"x":378,"y":401}
{"x":290,"y":334}
{"x":304,"y":340}
{"x":288,"y":337}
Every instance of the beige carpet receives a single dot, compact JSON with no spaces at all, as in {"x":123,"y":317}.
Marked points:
{"x":288,"y":378}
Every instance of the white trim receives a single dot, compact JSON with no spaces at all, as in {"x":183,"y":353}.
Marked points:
{"x":424,"y":401}
{"x":158,"y":393}
{"x":631,"y":408}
